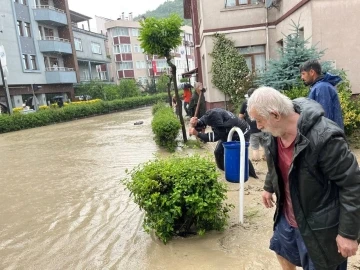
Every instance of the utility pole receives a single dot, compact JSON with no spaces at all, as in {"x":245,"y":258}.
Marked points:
{"x":187,"y":60}
{"x":6,"y":87}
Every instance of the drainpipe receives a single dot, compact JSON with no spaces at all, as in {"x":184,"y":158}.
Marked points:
{"x":267,"y":35}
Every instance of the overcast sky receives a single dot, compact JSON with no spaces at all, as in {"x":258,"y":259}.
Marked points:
{"x":112,"y":9}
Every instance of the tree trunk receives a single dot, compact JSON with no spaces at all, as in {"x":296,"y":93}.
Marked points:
{"x":168,"y":90}
{"x":178,"y":101}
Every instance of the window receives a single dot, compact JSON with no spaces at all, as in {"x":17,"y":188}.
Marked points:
{"x":301,"y":33}
{"x":20,"y":29}
{"x":95,"y":48}
{"x":160,"y":64}
{"x":140,"y":64}
{"x":25,"y":61}
{"x":48,"y":32}
{"x":232,"y":3}
{"x":27,"y":29}
{"x":33,"y":62}
{"x":120,"y":31}
{"x":78,"y":44}
{"x":23,"y":2}
{"x":138,"y":49}
{"x":124,"y":65}
{"x":135,"y":32}
{"x":123,"y":48}
{"x":254,"y":56}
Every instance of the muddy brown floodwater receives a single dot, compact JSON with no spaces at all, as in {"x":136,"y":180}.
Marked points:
{"x":62,"y":205}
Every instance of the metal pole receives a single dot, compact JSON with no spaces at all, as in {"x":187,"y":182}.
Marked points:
{"x":6,"y":87}
{"x":35,"y":101}
{"x":242,"y":169}
{"x":186,"y":56}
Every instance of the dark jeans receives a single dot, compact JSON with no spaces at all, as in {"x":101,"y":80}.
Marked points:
{"x":186,"y":110}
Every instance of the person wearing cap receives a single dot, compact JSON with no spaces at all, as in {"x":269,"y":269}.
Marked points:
{"x":257,"y":137}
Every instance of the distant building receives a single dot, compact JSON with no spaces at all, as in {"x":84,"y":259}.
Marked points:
{"x":39,"y":49}
{"x":259,"y":31}
{"x":45,"y":48}
{"x":128,"y":60}
{"x":92,"y":57}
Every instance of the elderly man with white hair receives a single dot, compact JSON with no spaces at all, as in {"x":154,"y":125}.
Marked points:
{"x":315,"y":178}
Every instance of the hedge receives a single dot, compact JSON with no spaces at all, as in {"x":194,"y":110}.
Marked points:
{"x":15,"y":122}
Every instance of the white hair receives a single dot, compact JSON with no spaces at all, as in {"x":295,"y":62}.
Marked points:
{"x":266,"y":100}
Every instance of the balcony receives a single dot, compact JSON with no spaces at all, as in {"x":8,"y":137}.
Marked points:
{"x":55,"y":45}
{"x":60,"y":75}
{"x":50,"y":15}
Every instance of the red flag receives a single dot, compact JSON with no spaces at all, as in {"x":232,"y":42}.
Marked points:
{"x":154,"y":67}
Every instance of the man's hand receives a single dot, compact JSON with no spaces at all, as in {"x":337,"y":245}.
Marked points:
{"x":193,"y":121}
{"x":347,"y":247}
{"x":267,"y":198}
{"x":193,"y":131}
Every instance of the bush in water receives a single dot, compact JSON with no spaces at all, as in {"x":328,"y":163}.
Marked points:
{"x":157,"y":106}
{"x":179,"y":195}
{"x":166,"y":127}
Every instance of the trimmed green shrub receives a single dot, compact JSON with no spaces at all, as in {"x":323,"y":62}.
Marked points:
{"x":296,"y":92}
{"x":74,"y":111}
{"x":166,"y":127}
{"x":157,"y":106}
{"x":179,"y":196}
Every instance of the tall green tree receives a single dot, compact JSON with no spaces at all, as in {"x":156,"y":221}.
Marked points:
{"x":160,"y":37}
{"x":230,"y":73}
{"x":284,"y":73}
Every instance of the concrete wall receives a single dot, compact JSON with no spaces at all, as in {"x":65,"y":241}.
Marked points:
{"x":335,"y":28}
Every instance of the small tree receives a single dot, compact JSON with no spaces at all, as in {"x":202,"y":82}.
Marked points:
{"x":230,"y":72}
{"x":128,"y":88}
{"x":160,"y":37}
{"x":283,"y":73}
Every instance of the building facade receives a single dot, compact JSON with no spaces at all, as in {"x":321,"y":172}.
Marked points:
{"x":258,"y":32}
{"x":128,"y":60}
{"x":91,"y":53}
{"x":37,"y":39}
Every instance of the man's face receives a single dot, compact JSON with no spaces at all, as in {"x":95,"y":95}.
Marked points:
{"x":308,"y":77}
{"x":270,"y":125}
{"x":199,"y":86}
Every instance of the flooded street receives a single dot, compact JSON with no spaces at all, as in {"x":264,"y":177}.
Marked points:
{"x":61,"y":202}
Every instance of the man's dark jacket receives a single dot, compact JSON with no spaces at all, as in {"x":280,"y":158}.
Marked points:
{"x":324,"y":184}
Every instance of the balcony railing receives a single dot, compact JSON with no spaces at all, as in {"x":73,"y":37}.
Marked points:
{"x":59,"y":69}
{"x":55,"y":39}
{"x":50,"y":7}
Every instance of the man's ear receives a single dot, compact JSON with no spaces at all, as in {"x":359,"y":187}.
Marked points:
{"x":276,"y":115}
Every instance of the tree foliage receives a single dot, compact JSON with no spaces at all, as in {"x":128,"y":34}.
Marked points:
{"x":165,"y":9}
{"x":230,"y":73}
{"x":159,"y":37}
{"x":284,"y":73}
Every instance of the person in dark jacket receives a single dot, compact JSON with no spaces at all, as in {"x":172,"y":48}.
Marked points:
{"x":316,"y":180}
{"x":195,"y":99}
{"x":221,"y":122}
{"x":257,"y":138}
{"x":322,"y":90}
